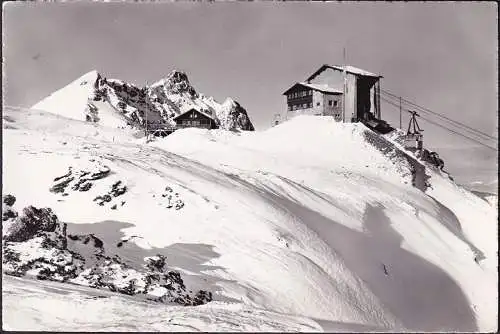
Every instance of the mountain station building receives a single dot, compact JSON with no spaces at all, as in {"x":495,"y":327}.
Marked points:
{"x":322,"y":93}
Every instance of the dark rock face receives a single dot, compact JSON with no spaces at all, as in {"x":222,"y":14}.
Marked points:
{"x":202,"y":297}
{"x":8,"y":214}
{"x":161,"y":101}
{"x":86,"y":240}
{"x":233,"y":116}
{"x":102,"y":199}
{"x":178,"y":82}
{"x":156,"y":264}
{"x":62,"y":183}
{"x":432,"y":158}
{"x":240,"y":119}
{"x":117,"y":189}
{"x":30,"y":223}
{"x":9,"y":200}
{"x":7,"y":211}
{"x":81,"y":180}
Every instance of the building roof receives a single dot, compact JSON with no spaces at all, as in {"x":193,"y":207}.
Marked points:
{"x":199,"y":111}
{"x":348,"y":69}
{"x":320,"y":88}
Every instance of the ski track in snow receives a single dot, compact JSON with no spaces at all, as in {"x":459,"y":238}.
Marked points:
{"x":301,"y":231}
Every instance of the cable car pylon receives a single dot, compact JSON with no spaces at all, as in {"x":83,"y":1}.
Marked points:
{"x":414,"y":139}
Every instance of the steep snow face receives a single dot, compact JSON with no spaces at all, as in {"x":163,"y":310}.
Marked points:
{"x":115,"y":103}
{"x":71,"y":101}
{"x":305,"y":220}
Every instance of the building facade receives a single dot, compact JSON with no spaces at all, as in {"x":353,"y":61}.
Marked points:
{"x":310,"y":99}
{"x":194,"y":118}
{"x":327,"y":89}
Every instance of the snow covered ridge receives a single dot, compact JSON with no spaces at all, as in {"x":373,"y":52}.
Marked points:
{"x":35,"y":243}
{"x":116,"y":103}
{"x":309,"y":221}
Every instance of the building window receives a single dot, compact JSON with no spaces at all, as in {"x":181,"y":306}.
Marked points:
{"x":304,"y":105}
{"x":310,"y":104}
{"x":294,"y":108}
{"x":318,"y":103}
{"x":289,"y":108}
{"x":335,"y":103}
{"x":330,"y":103}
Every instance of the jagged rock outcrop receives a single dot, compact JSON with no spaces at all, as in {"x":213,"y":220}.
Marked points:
{"x":36,"y":243}
{"x":7,"y":211}
{"x":178,"y":83}
{"x":117,"y":103}
{"x":32,"y":223}
{"x":234,"y":116}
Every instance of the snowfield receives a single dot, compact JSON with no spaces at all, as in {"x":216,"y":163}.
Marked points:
{"x":304,"y":227}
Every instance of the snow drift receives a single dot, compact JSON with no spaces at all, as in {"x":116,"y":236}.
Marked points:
{"x":309,"y":225}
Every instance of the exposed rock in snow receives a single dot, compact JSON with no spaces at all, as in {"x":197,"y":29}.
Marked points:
{"x":115,"y":103}
{"x":117,"y":189}
{"x":31,"y":223}
{"x":172,"y":199}
{"x":36,"y":244}
{"x":7,"y":211}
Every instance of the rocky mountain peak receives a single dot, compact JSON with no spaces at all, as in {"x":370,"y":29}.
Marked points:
{"x":177,"y":82}
{"x":116,"y":103}
{"x":177,"y":76}
{"x":230,"y":103}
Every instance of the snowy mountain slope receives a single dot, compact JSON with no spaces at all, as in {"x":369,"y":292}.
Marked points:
{"x":98,"y":310}
{"x":115,"y":103}
{"x":325,"y":226}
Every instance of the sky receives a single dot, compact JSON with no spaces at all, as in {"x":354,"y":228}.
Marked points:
{"x":441,"y":55}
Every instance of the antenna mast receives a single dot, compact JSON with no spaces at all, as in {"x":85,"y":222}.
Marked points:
{"x":146,"y":113}
{"x":344,"y":87}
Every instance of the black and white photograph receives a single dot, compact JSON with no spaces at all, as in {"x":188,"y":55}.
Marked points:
{"x":260,"y":166}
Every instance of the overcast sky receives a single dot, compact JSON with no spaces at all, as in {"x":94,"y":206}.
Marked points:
{"x":440,"y":55}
